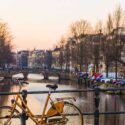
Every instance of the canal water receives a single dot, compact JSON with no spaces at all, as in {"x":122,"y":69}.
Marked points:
{"x":84,"y":100}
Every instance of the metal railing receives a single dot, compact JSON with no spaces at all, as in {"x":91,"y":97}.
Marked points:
{"x":97,"y":91}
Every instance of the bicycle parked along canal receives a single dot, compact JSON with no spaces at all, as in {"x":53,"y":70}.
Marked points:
{"x":61,"y":112}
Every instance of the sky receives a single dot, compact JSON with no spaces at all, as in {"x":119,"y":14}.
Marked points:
{"x":40,"y":24}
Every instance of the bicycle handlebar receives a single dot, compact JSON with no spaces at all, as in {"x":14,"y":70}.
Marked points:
{"x":21,"y":81}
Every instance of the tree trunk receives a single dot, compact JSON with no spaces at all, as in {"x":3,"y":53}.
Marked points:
{"x":107,"y":68}
{"x":116,"y":69}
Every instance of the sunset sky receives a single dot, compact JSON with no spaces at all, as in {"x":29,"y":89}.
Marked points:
{"x":40,"y":24}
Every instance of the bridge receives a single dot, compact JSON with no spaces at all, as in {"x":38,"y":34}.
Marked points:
{"x":8,"y":73}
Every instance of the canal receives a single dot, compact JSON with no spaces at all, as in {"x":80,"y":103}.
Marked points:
{"x":84,"y":100}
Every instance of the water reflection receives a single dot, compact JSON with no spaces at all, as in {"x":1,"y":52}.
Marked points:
{"x":112,"y":103}
{"x":4,"y":99}
{"x":85,"y":101}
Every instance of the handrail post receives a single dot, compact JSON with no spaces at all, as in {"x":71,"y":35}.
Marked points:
{"x":23,"y":116}
{"x":96,"y":113}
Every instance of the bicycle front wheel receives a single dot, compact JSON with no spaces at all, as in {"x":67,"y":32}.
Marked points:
{"x":73,"y":114}
{"x":5,"y":112}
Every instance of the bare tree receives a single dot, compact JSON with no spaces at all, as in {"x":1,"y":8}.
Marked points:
{"x":118,"y":24}
{"x":79,"y":29}
{"x":109,"y":24}
{"x":61,"y":56}
{"x":96,"y":51}
{"x":98,"y":27}
{"x":5,"y":45}
{"x":108,"y":44}
{"x":118,"y":17}
{"x":67,"y":55}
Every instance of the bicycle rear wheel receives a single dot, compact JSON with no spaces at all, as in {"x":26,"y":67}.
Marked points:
{"x":5,"y":112}
{"x":73,"y":114}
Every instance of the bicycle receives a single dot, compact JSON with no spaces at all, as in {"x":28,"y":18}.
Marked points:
{"x":61,"y":111}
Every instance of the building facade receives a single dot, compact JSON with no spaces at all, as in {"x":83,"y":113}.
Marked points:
{"x":22,"y":59}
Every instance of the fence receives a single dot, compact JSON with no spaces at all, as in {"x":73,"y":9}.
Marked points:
{"x":97,"y":91}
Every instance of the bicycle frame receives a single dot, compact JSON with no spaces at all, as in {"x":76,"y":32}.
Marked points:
{"x":37,"y":119}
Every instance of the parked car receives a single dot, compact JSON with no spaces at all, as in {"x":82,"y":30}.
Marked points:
{"x":82,"y":75}
{"x":94,"y":77}
{"x":98,"y":79}
{"x":121,"y":82}
{"x":108,"y":79}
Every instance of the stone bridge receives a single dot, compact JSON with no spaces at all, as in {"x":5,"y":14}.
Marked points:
{"x":9,"y":73}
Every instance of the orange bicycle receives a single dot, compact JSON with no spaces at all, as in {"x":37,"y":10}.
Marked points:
{"x":61,"y":112}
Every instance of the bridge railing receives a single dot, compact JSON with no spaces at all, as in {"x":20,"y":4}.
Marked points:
{"x":97,"y":91}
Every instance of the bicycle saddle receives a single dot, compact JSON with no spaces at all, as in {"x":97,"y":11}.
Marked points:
{"x":54,"y":87}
